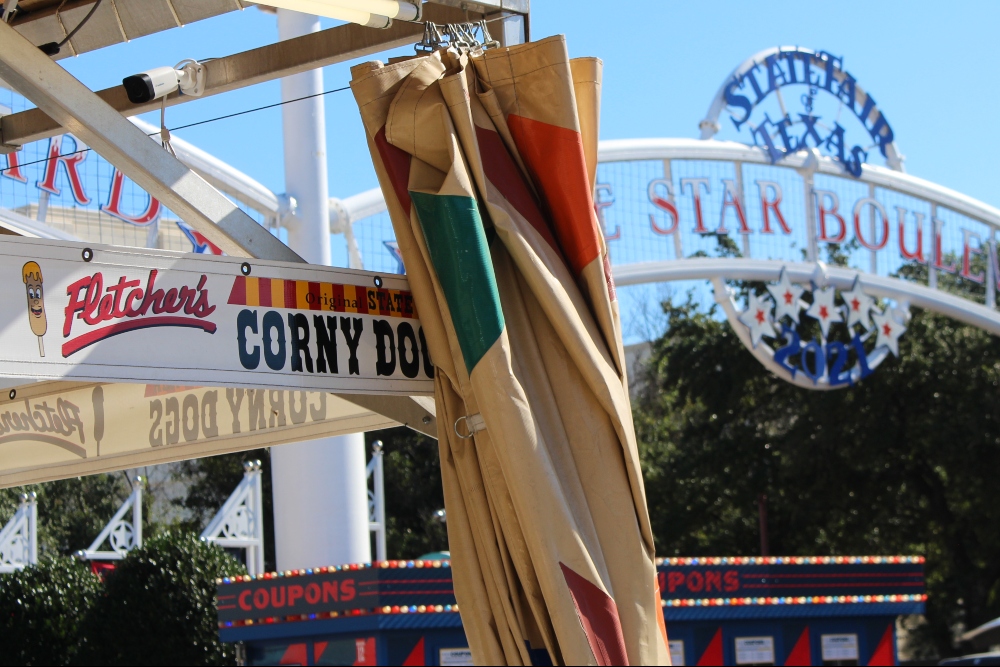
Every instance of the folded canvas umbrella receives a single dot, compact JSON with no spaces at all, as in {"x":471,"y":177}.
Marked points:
{"x":488,"y":163}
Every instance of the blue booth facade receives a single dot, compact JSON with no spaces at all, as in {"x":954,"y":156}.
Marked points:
{"x":732,"y":611}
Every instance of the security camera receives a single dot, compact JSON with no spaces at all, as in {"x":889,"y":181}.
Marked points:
{"x":188,"y":76}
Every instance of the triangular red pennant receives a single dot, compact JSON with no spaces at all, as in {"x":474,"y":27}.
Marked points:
{"x":800,"y":652}
{"x":884,"y":655}
{"x":295,"y":654}
{"x":713,"y":653}
{"x":416,"y":657}
{"x":318,"y":649}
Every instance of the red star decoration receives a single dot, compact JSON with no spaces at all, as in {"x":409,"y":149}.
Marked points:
{"x":760,"y":316}
{"x":855,"y":304}
{"x":823,"y":312}
{"x":886,"y":329}
{"x":788,"y":297}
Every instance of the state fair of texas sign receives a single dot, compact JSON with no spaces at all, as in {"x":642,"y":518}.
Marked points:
{"x":842,"y":353}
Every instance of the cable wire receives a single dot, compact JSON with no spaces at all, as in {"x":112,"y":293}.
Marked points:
{"x":269,"y":106}
{"x":81,"y":23}
{"x":182,"y":127}
{"x":53,"y":48}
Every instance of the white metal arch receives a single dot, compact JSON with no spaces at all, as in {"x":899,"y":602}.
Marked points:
{"x":371,"y":202}
{"x":624,"y":150}
{"x":719,"y":269}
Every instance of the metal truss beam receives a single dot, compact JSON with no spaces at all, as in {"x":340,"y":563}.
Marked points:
{"x":66,"y":104}
{"x":153,"y":169}
{"x":266,"y":63}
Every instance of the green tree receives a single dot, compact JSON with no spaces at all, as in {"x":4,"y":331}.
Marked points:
{"x":41,"y":608}
{"x":412,"y":488}
{"x":158,"y":606}
{"x":72,"y":512}
{"x":896,"y":464}
{"x":413,"y":493}
{"x":210,"y":481}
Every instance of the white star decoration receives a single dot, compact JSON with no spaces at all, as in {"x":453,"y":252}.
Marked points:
{"x":822,"y":309}
{"x":889,"y":331}
{"x":759,"y":318}
{"x":859,"y":306}
{"x":786,"y":297}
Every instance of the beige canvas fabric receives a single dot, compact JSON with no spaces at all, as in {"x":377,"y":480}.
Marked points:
{"x":550,"y":538}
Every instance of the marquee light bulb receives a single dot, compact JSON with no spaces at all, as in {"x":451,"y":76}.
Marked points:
{"x":371,"y":13}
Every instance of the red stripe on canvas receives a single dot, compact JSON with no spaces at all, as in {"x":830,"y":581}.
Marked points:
{"x":397,"y":165}
{"x":598,"y":614}
{"x":504,"y":174}
{"x":555,"y":160}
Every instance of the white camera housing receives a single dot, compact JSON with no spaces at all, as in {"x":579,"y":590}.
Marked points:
{"x":188,"y":76}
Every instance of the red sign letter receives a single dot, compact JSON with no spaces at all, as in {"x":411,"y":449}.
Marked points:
{"x":967,"y":252}
{"x":664,"y":204}
{"x":696,"y":184}
{"x":114,"y":205}
{"x":71,"y":162}
{"x":938,"y":254}
{"x":731,"y":198}
{"x":599,"y":205}
{"x":766,"y":206}
{"x":13,"y":170}
{"x":918,"y":255}
{"x":821,"y":196}
{"x":876,"y":207}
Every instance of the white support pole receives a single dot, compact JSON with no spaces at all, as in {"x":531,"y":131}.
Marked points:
{"x":304,"y":132}
{"x":320,"y":493}
{"x":137,"y":512}
{"x":320,"y":503}
{"x":376,"y":470}
{"x":33,"y":528}
{"x":257,"y":551}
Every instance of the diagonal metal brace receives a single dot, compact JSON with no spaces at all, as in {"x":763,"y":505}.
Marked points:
{"x":74,"y":106}
{"x":80,"y":111}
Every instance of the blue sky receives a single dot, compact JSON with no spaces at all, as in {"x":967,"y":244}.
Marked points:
{"x":931,"y":66}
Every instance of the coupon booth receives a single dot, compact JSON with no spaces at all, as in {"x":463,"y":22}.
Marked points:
{"x":788,"y":611}
{"x":719,"y":611}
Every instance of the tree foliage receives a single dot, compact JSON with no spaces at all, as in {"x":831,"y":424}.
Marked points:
{"x":158,"y":606}
{"x":209,"y":482}
{"x":41,"y":608}
{"x":413,"y":493}
{"x":72,"y":511}
{"x":896,"y":464}
{"x":412,"y":489}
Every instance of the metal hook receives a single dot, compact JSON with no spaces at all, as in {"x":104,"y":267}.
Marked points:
{"x":432,"y":40}
{"x":488,"y":42}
